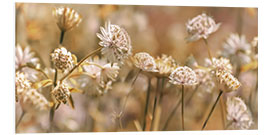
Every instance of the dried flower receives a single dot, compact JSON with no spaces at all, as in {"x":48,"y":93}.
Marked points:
{"x":228,"y":80}
{"x":205,"y":79}
{"x":237,"y":49}
{"x":144,"y":61}
{"x":66,"y":18}
{"x":110,"y":71}
{"x":22,"y":84}
{"x":61,"y":92}
{"x":238,"y":113}
{"x":115,"y":42}
{"x":62,"y":59}
{"x":183,"y":76}
{"x":201,"y":26}
{"x":222,"y":64}
{"x":24,"y":56}
{"x":165,"y":65}
{"x":33,"y":100}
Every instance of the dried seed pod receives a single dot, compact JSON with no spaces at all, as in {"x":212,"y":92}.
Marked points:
{"x":62,"y":59}
{"x":183,"y":76}
{"x":61,"y":92}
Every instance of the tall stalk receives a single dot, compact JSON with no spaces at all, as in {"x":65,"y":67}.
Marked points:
{"x":183,"y":121}
{"x":212,"y":109}
{"x":156,"y":101}
{"x":146,"y":104}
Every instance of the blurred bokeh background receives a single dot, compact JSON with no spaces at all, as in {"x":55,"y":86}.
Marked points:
{"x":153,"y":29}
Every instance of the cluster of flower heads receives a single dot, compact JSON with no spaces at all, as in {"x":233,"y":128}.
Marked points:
{"x":115,"y":42}
{"x":29,"y":98}
{"x":67,"y":18}
{"x":62,"y":59}
{"x":160,"y":66}
{"x":238,"y":114}
{"x":201,"y":26}
{"x":223,"y":72}
{"x":101,"y":73}
{"x":61,"y":92}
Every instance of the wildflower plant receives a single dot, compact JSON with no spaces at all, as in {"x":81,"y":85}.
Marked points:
{"x":46,"y":85}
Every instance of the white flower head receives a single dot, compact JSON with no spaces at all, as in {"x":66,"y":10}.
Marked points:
{"x":144,"y":61}
{"x":238,"y":113}
{"x":115,"y":42}
{"x":22,"y":84}
{"x":62,"y":59}
{"x":24,"y":56}
{"x":222,"y":64}
{"x":33,"y":100}
{"x":205,"y":80}
{"x":237,"y":47}
{"x":61,"y":92}
{"x":183,"y":76}
{"x":201,"y":26}
{"x":66,"y":18}
{"x":110,"y":71}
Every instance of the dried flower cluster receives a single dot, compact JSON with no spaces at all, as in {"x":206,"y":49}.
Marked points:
{"x":144,"y":61}
{"x":21,"y":83}
{"x":61,"y":92}
{"x":238,"y":113}
{"x":24,"y":56}
{"x":201,"y":26}
{"x":67,"y":18}
{"x":165,"y":65}
{"x":183,"y":76}
{"x":115,"y":42}
{"x":62,"y":59}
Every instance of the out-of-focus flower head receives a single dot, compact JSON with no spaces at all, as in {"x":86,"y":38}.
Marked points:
{"x":24,"y":56}
{"x":67,"y":18}
{"x":201,"y":26}
{"x":22,"y":84}
{"x":238,"y":113}
{"x":144,"y":61}
{"x":115,"y":42}
{"x":237,"y":49}
{"x":165,"y":65}
{"x":33,"y":100}
{"x":183,"y":76}
{"x":61,"y":92}
{"x":228,"y":80}
{"x":205,"y":80}
{"x":62,"y":59}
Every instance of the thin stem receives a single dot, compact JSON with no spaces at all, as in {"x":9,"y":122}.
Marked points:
{"x":62,"y":36}
{"x":52,"y":110}
{"x":20,"y":119}
{"x":209,"y":53}
{"x":55,"y":77}
{"x":79,"y":63}
{"x":183,"y":121}
{"x":155,"y":101}
{"x":212,"y":109}
{"x":171,"y":114}
{"x":192,"y":95}
{"x":222,"y":112}
{"x":146,"y":104}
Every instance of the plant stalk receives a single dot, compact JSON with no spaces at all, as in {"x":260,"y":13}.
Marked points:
{"x":146,"y":104}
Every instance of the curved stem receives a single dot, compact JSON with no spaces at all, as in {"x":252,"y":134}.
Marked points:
{"x":212,"y":109}
{"x":79,"y":63}
{"x":146,"y":104}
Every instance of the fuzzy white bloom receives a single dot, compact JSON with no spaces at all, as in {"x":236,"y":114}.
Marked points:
{"x":144,"y":61}
{"x":165,"y":65}
{"x":183,"y":76}
{"x":66,"y":18}
{"x":115,"y":42}
{"x":62,"y":59}
{"x":237,"y":49}
{"x":110,"y":71}
{"x":24,"y":56}
{"x":61,"y":92}
{"x":201,"y":26}
{"x":33,"y":100}
{"x":238,"y":113}
{"x":22,"y":84}
{"x":222,"y":64}
{"x":205,"y":80}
